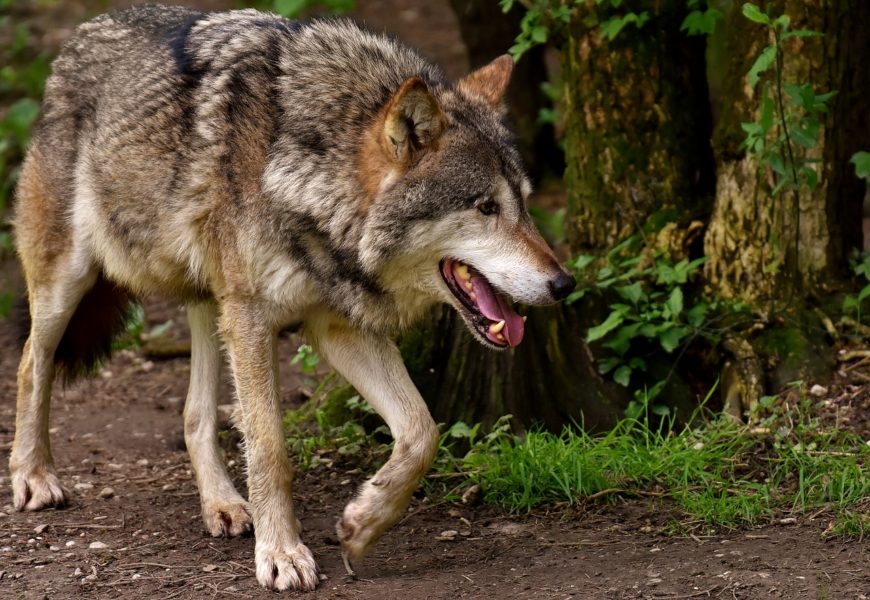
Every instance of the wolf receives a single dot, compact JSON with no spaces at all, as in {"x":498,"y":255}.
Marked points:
{"x":265,"y":172}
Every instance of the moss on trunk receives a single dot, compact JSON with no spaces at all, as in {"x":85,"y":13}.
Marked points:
{"x":638,"y":119}
{"x":750,"y":231}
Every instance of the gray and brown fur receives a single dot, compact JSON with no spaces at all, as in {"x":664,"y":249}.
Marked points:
{"x":263,"y":172}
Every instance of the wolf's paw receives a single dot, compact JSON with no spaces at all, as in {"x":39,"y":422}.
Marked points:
{"x":227,"y":518}
{"x":361,"y":526}
{"x":291,"y":567}
{"x":38,"y":489}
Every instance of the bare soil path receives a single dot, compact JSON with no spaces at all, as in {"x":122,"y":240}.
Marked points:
{"x":123,"y":430}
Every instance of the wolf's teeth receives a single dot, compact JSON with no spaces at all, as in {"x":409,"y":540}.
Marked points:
{"x":524,"y":318}
{"x":462,"y":271}
{"x":473,"y":296}
{"x":499,"y":337}
{"x":469,"y":286}
{"x":496,"y":327}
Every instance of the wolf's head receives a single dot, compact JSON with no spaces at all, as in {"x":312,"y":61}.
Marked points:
{"x":446,"y":204}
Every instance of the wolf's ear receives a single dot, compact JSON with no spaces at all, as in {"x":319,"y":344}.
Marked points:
{"x":490,"y":82}
{"x":413,"y":121}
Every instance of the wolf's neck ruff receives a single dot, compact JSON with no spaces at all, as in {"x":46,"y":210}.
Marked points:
{"x":497,"y":320}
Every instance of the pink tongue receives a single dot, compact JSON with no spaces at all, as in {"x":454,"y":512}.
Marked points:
{"x":496,"y":309}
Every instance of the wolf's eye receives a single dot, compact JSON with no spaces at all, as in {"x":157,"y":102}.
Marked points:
{"x":488,"y":207}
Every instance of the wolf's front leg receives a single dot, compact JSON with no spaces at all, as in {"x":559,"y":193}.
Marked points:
{"x":282,"y":560}
{"x":374,"y":366}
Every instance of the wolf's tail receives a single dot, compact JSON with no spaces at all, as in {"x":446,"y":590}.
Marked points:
{"x":101,"y":315}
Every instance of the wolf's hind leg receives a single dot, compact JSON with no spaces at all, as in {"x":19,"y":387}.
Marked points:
{"x":53,"y":300}
{"x":374,"y":366}
{"x":224,"y":511}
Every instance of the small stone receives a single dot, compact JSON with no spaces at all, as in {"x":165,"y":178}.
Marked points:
{"x":97,"y":546}
{"x":136,"y":576}
{"x":78,"y":572}
{"x":210,"y":568}
{"x":169,"y":487}
{"x":54,"y":548}
{"x":147,"y":366}
{"x":40,"y":528}
{"x":84,"y":486}
{"x":447,"y":535}
{"x":471,"y":496}
{"x":818,"y":391}
{"x":322,"y":576}
{"x":106,"y":493}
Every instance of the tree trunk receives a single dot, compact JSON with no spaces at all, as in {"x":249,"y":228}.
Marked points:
{"x":631,"y":153}
{"x":750,"y":232}
{"x":638,"y":117}
{"x":760,"y":249}
{"x":488,"y":33}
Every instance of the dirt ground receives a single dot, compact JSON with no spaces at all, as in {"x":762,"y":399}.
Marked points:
{"x":123,"y":430}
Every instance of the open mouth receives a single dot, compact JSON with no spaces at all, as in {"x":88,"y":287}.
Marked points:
{"x":486,"y":310}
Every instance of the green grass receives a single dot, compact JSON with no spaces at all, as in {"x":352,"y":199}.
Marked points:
{"x":714,"y":473}
{"x":720,"y":473}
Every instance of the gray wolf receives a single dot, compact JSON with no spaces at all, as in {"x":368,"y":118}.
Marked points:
{"x":265,"y":172}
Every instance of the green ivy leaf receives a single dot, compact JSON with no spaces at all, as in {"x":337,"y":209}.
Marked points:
{"x":762,"y":64}
{"x":861,"y":160}
{"x":671,"y":338}
{"x":539,"y":34}
{"x":632,"y":292}
{"x":614,"y":320}
{"x":622,"y":375}
{"x":700,"y":22}
{"x":751,"y":12}
{"x":675,"y":302}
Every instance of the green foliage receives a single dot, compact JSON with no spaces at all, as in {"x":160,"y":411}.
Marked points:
{"x":331,"y":427}
{"x":701,"y":20}
{"x":134,"y":334}
{"x":294,"y":8}
{"x":853,"y":304}
{"x":308,"y":358}
{"x":551,"y":224}
{"x":717,"y":472}
{"x":788,"y":126}
{"x":545,"y":19}
{"x":861,"y":160}
{"x":21,"y":80}
{"x":650,"y":305}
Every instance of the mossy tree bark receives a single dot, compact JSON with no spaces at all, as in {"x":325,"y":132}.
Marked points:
{"x":808,"y":237}
{"x":750,"y":230}
{"x":637,"y":132}
{"x":637,"y":129}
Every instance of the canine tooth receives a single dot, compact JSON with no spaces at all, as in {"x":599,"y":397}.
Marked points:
{"x":524,"y":318}
{"x":499,"y":337}
{"x":496,"y":327}
{"x":462,"y":271}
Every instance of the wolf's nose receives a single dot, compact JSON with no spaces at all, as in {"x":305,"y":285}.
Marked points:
{"x":562,"y":285}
